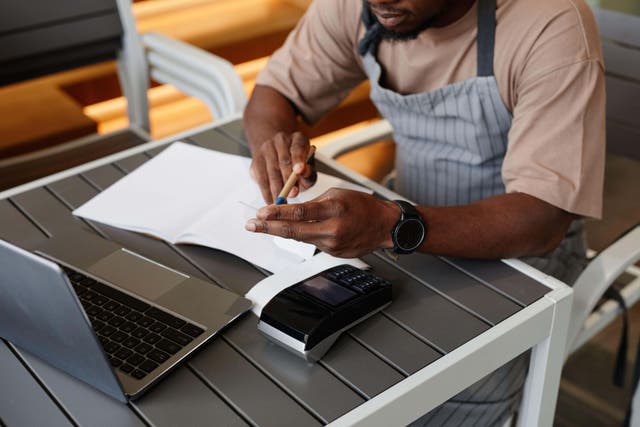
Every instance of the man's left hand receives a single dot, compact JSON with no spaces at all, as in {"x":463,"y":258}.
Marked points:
{"x":343,"y":223}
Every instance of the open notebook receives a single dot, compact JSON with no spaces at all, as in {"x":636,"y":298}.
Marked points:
{"x":188,"y":194}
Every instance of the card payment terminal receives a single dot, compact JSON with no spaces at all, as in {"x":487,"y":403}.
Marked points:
{"x":308,"y":317}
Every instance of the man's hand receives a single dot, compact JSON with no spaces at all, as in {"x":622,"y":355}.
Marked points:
{"x":275,"y":159}
{"x":343,"y":223}
{"x":277,"y":146}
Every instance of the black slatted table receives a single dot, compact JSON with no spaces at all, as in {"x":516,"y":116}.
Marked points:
{"x":451,"y":323}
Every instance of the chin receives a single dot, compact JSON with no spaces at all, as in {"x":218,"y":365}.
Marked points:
{"x":400,"y":35}
{"x":404,"y":32}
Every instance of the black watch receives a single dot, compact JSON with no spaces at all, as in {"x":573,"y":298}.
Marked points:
{"x":410,"y":230}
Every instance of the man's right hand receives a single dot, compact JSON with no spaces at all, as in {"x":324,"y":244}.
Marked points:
{"x":275,"y":159}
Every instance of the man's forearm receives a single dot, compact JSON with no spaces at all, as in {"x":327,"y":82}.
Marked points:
{"x":506,"y":226}
{"x":267,"y":113}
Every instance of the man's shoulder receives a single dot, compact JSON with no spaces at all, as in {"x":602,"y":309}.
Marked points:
{"x":546,"y":9}
{"x":540,"y":20}
{"x":538,"y":36}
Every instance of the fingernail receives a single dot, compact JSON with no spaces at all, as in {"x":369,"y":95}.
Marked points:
{"x":250,"y":226}
{"x":298,"y":168}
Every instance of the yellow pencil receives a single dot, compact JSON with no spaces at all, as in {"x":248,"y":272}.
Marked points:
{"x":293,"y":178}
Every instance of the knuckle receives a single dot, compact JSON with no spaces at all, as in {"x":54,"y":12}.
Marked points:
{"x":299,"y":212}
{"x":338,"y":208}
{"x":338,"y":230}
{"x":281,"y":139}
{"x":287,"y":231}
{"x":266,"y":148}
{"x":275,"y":214}
{"x":284,"y":160}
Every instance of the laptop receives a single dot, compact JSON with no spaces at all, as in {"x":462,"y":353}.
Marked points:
{"x":106,"y":315}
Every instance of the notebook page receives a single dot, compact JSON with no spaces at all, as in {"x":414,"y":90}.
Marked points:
{"x":222,"y":227}
{"x":166,"y":194}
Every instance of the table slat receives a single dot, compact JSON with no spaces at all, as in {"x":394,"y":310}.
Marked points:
{"x":181,"y":398}
{"x":86,"y":405}
{"x":232,"y":130}
{"x":18,"y":229}
{"x":131,"y":163}
{"x":394,"y":344}
{"x":311,"y":383}
{"x":219,"y":141}
{"x":422,"y":311}
{"x":43,"y":208}
{"x":346,"y":359}
{"x":486,"y":303}
{"x":256,"y":397}
{"x":23,"y":402}
{"x":521,"y":288}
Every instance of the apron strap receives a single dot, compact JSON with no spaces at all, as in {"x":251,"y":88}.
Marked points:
{"x":369,"y":41}
{"x":486,"y":36}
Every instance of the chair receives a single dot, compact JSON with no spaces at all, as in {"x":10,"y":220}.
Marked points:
{"x":47,"y":37}
{"x":621,"y":48}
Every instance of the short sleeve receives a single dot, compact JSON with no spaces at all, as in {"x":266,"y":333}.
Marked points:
{"x":317,"y":66}
{"x":557,"y":140}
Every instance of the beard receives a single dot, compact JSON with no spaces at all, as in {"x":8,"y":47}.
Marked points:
{"x":400,"y":36}
{"x":397,"y":36}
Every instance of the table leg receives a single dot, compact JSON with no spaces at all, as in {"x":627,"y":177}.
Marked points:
{"x":547,"y":358}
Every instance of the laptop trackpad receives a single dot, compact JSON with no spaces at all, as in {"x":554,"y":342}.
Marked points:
{"x":136,"y":274}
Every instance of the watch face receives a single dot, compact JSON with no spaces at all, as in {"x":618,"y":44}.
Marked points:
{"x":409,"y":234}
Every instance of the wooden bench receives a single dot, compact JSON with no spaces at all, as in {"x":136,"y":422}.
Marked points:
{"x":38,"y":116}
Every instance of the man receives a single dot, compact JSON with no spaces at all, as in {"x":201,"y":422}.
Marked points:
{"x":498,"y":118}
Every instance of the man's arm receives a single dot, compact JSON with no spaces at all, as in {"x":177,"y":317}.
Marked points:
{"x":315,"y":69}
{"x":505,"y":226}
{"x":348,"y":224}
{"x":277,"y":146}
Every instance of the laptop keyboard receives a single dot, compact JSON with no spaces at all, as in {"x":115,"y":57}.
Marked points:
{"x":136,"y":336}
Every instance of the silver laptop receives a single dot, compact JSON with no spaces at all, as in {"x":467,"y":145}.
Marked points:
{"x":105,"y":315}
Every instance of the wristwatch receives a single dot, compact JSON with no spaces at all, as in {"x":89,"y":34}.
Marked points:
{"x":410,"y":230}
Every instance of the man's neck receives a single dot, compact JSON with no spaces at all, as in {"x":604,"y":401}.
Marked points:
{"x":452,"y":12}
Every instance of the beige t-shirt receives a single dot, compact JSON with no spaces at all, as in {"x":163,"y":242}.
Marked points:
{"x":548,"y":65}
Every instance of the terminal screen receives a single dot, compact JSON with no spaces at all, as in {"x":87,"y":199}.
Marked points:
{"x":326,"y":291}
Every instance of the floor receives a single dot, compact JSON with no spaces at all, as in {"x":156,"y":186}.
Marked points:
{"x":588,"y":396}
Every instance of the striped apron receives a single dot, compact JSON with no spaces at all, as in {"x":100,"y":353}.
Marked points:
{"x":450,"y":145}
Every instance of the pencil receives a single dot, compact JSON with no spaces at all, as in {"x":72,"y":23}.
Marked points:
{"x":293,"y":178}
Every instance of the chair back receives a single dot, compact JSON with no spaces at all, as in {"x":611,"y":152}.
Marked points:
{"x":620,"y":38}
{"x":40,"y":37}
